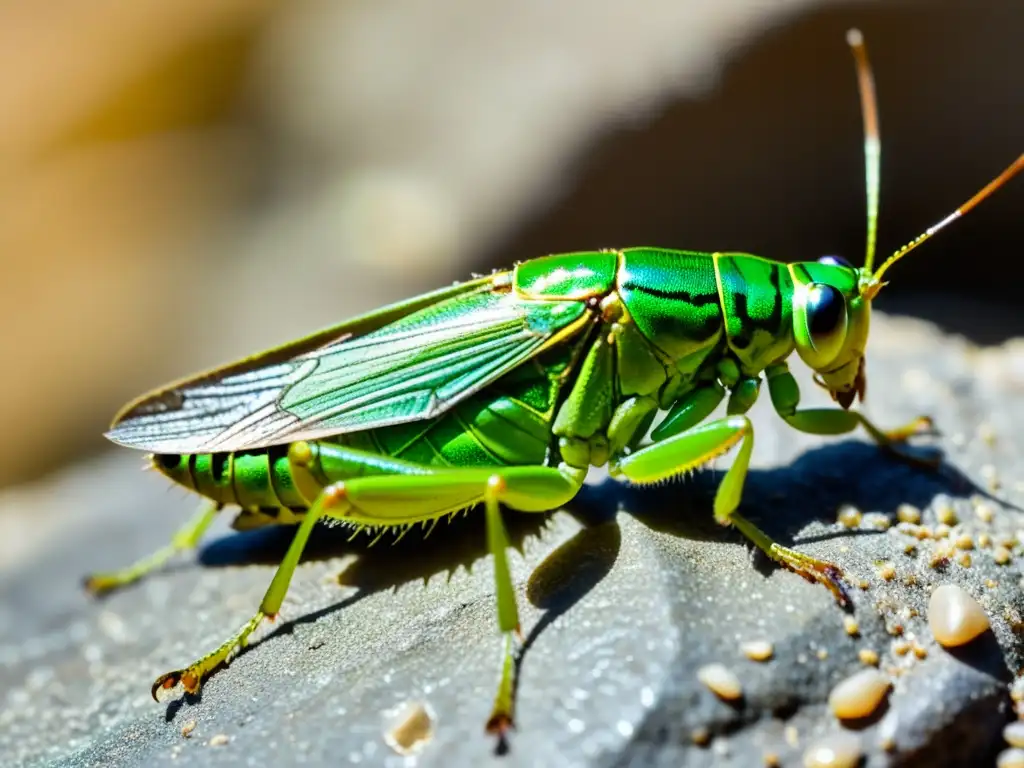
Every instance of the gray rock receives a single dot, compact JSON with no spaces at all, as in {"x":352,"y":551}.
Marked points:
{"x":623,"y":597}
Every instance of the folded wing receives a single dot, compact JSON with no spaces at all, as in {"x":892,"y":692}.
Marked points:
{"x":408,"y":362}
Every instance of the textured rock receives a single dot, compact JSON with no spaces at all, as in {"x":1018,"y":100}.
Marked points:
{"x":624,"y":596}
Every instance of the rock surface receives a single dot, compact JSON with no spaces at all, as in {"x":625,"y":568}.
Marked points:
{"x":624,"y":596}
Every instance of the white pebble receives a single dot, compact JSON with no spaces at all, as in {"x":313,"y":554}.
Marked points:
{"x":721,"y":680}
{"x":859,"y":695}
{"x":954,"y":616}
{"x":839,"y":750}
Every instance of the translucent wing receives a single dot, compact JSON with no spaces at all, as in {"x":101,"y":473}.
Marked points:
{"x":403,"y":363}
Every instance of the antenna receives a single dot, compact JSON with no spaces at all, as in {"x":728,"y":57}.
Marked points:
{"x":874,"y":284}
{"x":872,"y":140}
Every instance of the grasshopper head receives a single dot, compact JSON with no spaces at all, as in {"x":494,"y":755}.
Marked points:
{"x":831,"y":298}
{"x":831,"y":316}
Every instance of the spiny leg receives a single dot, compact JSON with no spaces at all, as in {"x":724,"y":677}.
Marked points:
{"x":691,"y":449}
{"x":785,"y":395}
{"x":191,"y":677}
{"x":395,"y":500}
{"x":401,"y":499}
{"x":186,"y":537}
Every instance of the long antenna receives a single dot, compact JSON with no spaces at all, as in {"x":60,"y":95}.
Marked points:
{"x":875,"y":284}
{"x":872,"y":141}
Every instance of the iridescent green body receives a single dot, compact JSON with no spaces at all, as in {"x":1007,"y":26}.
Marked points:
{"x":505,"y":390}
{"x":648,"y":327}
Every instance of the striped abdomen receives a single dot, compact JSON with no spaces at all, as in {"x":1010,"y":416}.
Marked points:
{"x":508,"y":424}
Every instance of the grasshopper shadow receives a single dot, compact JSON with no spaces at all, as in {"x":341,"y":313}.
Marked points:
{"x":784,"y":500}
{"x":781,"y":501}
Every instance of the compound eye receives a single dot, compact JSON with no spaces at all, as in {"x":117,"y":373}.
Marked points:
{"x":835,"y":261}
{"x":826,"y":319}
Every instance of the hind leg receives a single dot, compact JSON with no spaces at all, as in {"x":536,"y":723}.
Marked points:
{"x":185,"y":538}
{"x":394,"y":500}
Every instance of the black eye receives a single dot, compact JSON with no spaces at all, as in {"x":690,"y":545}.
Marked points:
{"x":826,"y":317}
{"x":835,"y":261}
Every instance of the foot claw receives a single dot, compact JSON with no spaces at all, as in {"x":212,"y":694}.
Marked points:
{"x":187,"y":677}
{"x":828,"y":576}
{"x":499,"y":724}
{"x":817,"y":571}
{"x":922,"y":425}
{"x":96,"y":584}
{"x":102,"y":584}
{"x":833,"y":579}
{"x":165,"y":683}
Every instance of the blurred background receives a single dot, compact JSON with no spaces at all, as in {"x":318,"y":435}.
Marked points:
{"x":185,"y":183}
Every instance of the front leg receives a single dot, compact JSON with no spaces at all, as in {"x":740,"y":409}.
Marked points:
{"x":694,"y":448}
{"x":785,"y":396}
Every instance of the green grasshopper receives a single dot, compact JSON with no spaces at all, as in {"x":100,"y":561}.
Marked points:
{"x":506,"y":389}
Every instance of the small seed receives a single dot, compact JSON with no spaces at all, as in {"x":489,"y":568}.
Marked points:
{"x":964,"y":541}
{"x":908,"y":529}
{"x":218,"y":740}
{"x":887,"y":572}
{"x":901,"y":647}
{"x":859,"y":695}
{"x":721,"y":680}
{"x":848,"y":516}
{"x":1001,"y":555}
{"x":1010,"y":758}
{"x":941,"y":554}
{"x":868,"y":656}
{"x":700,"y":736}
{"x":1014,"y":734}
{"x":187,"y":728}
{"x":772,"y":760}
{"x":984,"y":540}
{"x":409,"y":727}
{"x":758,"y":650}
{"x":908,"y":513}
{"x":838,"y":750}
{"x":920,"y":651}
{"x":945,"y":513}
{"x":984,"y":512}
{"x":792,"y":736}
{"x":942,"y":531}
{"x":878,"y":521}
{"x":851,"y":626}
{"x":954,"y":616}
{"x":964,"y":558}
{"x":987,"y":434}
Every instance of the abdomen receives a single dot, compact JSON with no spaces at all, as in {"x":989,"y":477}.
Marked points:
{"x":509,"y":423}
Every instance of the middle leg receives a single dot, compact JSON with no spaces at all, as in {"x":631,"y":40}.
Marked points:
{"x":694,"y":448}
